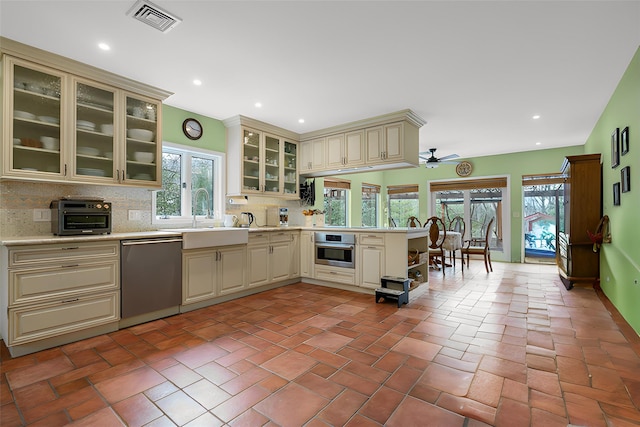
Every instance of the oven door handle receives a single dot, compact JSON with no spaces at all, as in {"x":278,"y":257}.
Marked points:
{"x":330,"y":246}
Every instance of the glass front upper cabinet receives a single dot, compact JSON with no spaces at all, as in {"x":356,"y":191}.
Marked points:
{"x":272,"y":163}
{"x":290,"y":167}
{"x":251,"y":161}
{"x":143,"y":147}
{"x":35,"y":126}
{"x":94,"y":129}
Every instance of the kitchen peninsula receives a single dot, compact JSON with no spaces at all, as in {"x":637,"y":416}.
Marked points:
{"x":53,"y":295}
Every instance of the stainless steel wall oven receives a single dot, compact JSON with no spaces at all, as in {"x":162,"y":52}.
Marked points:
{"x":336,"y":249}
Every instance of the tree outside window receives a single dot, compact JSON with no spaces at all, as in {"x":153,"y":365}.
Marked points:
{"x":370,"y":198}
{"x":183,"y":172}
{"x":335,"y":201}
{"x":403,"y":203}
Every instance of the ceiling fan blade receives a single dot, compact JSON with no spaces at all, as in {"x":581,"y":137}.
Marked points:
{"x":449,"y":157}
{"x":448,"y":162}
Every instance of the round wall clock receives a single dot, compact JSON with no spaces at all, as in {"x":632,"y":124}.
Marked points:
{"x":192,"y":129}
{"x":464,"y":168}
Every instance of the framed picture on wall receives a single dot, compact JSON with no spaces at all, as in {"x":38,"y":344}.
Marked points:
{"x":624,"y":141}
{"x":625,"y":177}
{"x":615,"y":148}
{"x":616,"y":194}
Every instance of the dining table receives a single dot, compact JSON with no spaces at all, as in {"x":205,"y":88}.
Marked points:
{"x":452,"y":243}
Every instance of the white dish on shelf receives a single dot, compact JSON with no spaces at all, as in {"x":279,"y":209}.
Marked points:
{"x":16,"y":141}
{"x":107,"y":129}
{"x":86,"y":125}
{"x":23,"y":115}
{"x":29,"y":169}
{"x":144,"y":157}
{"x":142,"y":176}
{"x":91,"y":171}
{"x":49,"y":119}
{"x":141,"y":134}
{"x":108,"y":154}
{"x":50,"y":143}
{"x":88,"y":151}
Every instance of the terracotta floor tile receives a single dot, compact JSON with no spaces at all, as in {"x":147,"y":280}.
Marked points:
{"x":31,"y":374}
{"x":292,"y":406}
{"x":468,"y":407}
{"x":180,"y":407}
{"x":416,"y":348}
{"x":342,"y":407}
{"x":414,"y":412}
{"x":517,"y":345}
{"x":180,"y":375}
{"x":104,"y":417}
{"x":382,"y":404}
{"x":137,"y":410}
{"x":290,"y":365}
{"x":239,"y":403}
{"x":127,"y":385}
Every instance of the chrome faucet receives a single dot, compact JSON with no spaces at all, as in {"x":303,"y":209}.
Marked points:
{"x":195,"y":199}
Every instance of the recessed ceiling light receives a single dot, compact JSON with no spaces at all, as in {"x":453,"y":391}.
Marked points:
{"x":258,"y":105}
{"x":538,"y":143}
{"x":197,"y":82}
{"x":300,"y":120}
{"x":536,"y":117}
{"x":104,"y":46}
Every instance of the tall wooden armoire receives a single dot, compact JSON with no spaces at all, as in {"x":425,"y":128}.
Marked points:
{"x":580,"y":211}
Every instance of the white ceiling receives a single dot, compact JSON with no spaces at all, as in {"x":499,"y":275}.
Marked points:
{"x":476,"y":71}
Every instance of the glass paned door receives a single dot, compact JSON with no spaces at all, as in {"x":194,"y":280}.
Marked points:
{"x":251,"y":161}
{"x":94,"y":129}
{"x":142,"y":139}
{"x":36,"y":121}
{"x":290,"y":168}
{"x":541,"y":219}
{"x":271,"y":164}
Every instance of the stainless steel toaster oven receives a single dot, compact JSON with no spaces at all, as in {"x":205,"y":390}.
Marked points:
{"x":80,"y":216}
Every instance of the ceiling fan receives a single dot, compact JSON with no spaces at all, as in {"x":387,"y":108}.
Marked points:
{"x":433,"y":161}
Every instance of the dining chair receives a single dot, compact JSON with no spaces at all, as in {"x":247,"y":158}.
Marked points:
{"x":392,"y":222}
{"x":457,"y":225}
{"x":437,"y":233}
{"x":413,"y":222}
{"x":480,"y":246}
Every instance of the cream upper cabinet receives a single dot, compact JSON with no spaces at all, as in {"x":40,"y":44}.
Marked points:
{"x":76,"y":123}
{"x":312,"y":155}
{"x":385,"y":143}
{"x":260,"y":161}
{"x":345,"y":149}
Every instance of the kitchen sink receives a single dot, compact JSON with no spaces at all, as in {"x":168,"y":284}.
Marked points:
{"x":194,"y":238}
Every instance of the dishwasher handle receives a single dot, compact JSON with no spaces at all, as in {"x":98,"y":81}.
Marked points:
{"x":149,"y":241}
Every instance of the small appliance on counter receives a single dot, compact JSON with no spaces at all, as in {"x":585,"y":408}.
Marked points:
{"x":246,"y":219}
{"x":78,"y":216}
{"x":277,"y":217}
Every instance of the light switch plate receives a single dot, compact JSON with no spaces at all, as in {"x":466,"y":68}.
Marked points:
{"x":41,"y":215}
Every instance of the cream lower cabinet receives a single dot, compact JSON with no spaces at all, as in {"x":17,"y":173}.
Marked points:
{"x":269,"y":257}
{"x":307,"y":253}
{"x":208,"y":273}
{"x":58,"y":289}
{"x":370,"y":259}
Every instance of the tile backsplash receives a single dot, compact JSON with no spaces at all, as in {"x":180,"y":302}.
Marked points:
{"x":19,"y":199}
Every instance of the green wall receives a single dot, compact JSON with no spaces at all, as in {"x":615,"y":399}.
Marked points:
{"x":213,"y":137}
{"x":620,"y":260}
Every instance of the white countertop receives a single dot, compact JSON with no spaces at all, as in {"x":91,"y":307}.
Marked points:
{"x":47,"y":239}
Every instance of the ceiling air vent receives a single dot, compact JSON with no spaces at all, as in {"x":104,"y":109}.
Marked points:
{"x":153,"y":15}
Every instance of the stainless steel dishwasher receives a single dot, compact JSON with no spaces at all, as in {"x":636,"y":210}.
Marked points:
{"x":150,"y":279}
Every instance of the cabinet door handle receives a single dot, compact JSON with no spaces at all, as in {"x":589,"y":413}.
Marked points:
{"x":72,"y":248}
{"x":69,"y":265}
{"x":123,"y":176}
{"x":70,"y":300}
{"x":65,"y":169}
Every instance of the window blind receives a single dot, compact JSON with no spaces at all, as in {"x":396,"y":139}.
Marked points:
{"x":472,"y":184}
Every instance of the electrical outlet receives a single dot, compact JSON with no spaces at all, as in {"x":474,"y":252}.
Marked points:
{"x":135,"y":215}
{"x":41,"y":215}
